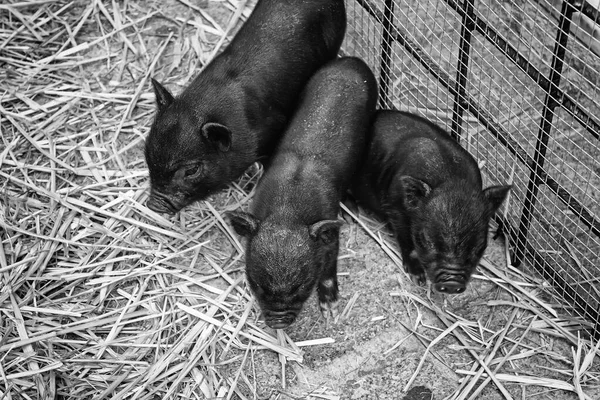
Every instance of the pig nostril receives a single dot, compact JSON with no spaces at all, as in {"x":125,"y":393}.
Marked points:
{"x":278,"y":324}
{"x":279,"y":319}
{"x":450,"y":287}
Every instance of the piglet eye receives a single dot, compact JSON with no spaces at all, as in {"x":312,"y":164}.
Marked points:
{"x":193,"y":171}
{"x":479,"y":253}
{"x":421,"y":239}
{"x":257,"y":289}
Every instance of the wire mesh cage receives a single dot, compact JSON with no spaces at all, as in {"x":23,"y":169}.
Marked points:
{"x":516,"y":83}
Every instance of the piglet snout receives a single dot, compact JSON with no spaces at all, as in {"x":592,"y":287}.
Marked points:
{"x":450,"y":287}
{"x":279,"y":319}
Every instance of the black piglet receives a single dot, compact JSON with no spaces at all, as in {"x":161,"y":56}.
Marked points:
{"x":234,"y":112}
{"x":292,"y":228}
{"x":430,"y":191}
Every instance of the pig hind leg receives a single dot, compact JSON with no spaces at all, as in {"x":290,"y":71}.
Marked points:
{"x":327,"y":287}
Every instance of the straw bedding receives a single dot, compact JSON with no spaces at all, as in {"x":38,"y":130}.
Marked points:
{"x":101,"y":298}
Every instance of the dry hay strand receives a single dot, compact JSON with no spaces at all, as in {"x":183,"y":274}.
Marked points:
{"x":103,"y":298}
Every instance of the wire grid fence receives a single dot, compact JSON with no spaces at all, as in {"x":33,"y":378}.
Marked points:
{"x":517,"y":83}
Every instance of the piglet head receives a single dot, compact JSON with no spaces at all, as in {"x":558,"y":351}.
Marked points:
{"x":184,"y":152}
{"x":449,"y":228}
{"x":282,"y":266}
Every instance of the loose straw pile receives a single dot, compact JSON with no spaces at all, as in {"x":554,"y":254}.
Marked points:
{"x":100,"y":296}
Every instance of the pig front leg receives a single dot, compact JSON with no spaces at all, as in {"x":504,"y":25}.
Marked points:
{"x":401,"y":227}
{"x":412,"y":264}
{"x":327,"y":287}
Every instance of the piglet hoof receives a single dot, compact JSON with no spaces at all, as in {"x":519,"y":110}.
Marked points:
{"x":347,"y":217}
{"x":415,"y":271}
{"x":352,"y":206}
{"x":419,"y":279}
{"x":328,"y":299}
{"x":329,"y":311}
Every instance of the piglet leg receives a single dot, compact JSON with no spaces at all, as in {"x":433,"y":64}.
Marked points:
{"x":412,"y":265}
{"x":327,"y":287}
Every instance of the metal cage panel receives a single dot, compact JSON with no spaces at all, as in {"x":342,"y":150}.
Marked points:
{"x":517,"y":84}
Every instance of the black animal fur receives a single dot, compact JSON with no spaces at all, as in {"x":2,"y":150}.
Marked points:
{"x":234,"y":112}
{"x":430,"y":191}
{"x":292,"y":228}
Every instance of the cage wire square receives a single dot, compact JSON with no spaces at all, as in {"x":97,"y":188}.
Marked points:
{"x":363,"y":34}
{"x":524,"y":25}
{"x":513,"y":49}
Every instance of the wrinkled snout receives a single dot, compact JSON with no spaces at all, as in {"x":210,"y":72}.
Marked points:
{"x":279,"y":319}
{"x":159,"y":203}
{"x":450,"y":287}
{"x":450,"y":279}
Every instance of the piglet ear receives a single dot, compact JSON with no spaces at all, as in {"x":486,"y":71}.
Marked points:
{"x":326,"y":230}
{"x":495,"y":195}
{"x":245,"y":224}
{"x":218,"y":135}
{"x":163,"y":97}
{"x":414,"y":191}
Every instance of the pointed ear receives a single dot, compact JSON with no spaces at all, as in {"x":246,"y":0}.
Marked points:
{"x":217,"y":134}
{"x":326,"y":230}
{"x":495,"y":195}
{"x":245,"y":224}
{"x":163,"y":97}
{"x":414,"y":191}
